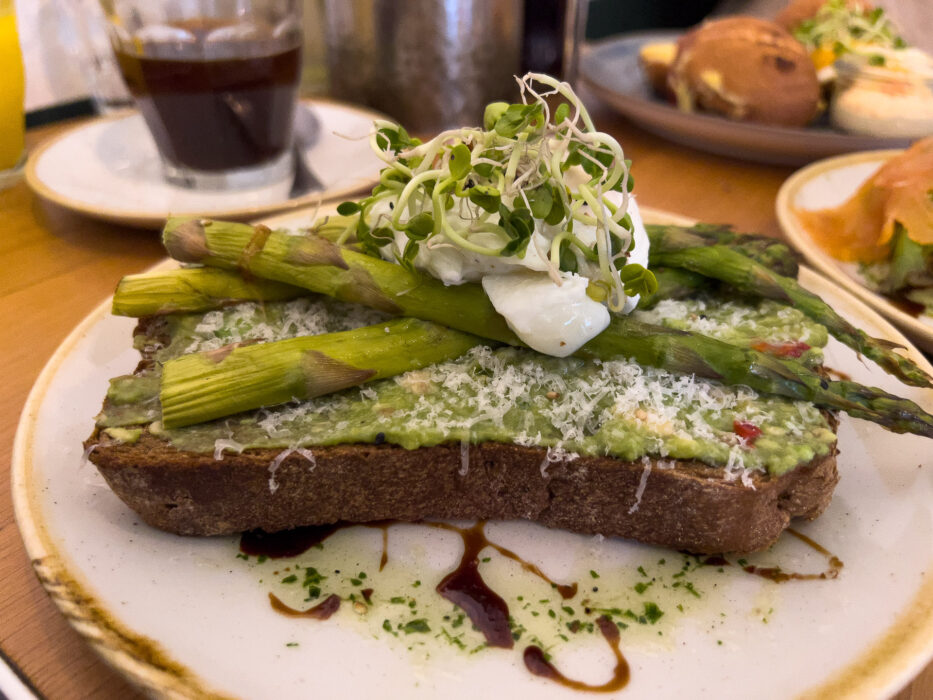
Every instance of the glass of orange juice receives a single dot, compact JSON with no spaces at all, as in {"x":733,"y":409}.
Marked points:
{"x":12,"y":84}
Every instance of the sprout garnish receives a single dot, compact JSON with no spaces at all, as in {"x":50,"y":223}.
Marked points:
{"x":841,"y":28}
{"x":506,"y":181}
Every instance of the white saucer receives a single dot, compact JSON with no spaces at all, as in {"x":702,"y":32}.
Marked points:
{"x":109,"y":169}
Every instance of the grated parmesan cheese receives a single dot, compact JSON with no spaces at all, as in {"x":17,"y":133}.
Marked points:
{"x":737,"y":322}
{"x":281,"y":457}
{"x":464,"y":457}
{"x":615,"y":408}
{"x":222,"y":444}
{"x":85,"y":457}
{"x":257,"y":322}
{"x":553,"y":455}
{"x":642,"y":483}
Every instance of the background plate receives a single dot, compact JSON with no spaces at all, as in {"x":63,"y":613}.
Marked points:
{"x":828,"y":184}
{"x":109,"y":169}
{"x":184,"y":616}
{"x":610,"y":69}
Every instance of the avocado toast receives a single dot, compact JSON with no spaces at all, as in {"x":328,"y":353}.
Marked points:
{"x":481,"y":437}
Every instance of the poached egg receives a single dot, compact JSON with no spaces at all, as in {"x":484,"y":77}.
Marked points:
{"x":554,"y":319}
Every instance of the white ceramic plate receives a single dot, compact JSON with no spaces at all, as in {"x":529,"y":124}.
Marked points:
{"x":610,"y":69}
{"x":829,"y":183}
{"x":184,"y":616}
{"x":109,"y":169}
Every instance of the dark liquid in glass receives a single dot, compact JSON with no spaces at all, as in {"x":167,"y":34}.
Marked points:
{"x":217,"y":106}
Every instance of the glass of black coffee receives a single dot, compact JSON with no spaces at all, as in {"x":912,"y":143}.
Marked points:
{"x":217,"y":83}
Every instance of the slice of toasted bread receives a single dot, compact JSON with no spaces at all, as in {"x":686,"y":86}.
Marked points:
{"x":685,"y":505}
{"x":682,"y":504}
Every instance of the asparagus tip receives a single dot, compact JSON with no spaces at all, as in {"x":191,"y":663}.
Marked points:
{"x":185,"y":240}
{"x":313,"y":249}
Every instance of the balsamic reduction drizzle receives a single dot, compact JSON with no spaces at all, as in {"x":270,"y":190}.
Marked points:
{"x":384,"y":558}
{"x":465,"y":587}
{"x":777,"y":574}
{"x":321,"y":611}
{"x":288,"y":543}
{"x":292,"y":543}
{"x":909,"y":307}
{"x":566,"y":590}
{"x":537,"y":664}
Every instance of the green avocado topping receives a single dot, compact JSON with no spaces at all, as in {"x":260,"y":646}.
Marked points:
{"x":571,"y":406}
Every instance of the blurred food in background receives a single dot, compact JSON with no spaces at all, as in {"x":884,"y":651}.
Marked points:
{"x":744,"y":68}
{"x":656,"y":60}
{"x":889,"y":93}
{"x":887,"y":227}
{"x":876,"y":83}
{"x":830,"y":29}
{"x":754,"y":70}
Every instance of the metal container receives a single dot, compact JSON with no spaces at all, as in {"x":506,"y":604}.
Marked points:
{"x":430,"y":64}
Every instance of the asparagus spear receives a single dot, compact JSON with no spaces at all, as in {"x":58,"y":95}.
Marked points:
{"x":314,"y":263}
{"x":680,"y":248}
{"x":689,"y":353}
{"x":193,"y":289}
{"x":770,"y":252}
{"x":677,"y":283}
{"x":673,"y":283}
{"x":318,"y":265}
{"x":206,"y":288}
{"x":207,"y":385}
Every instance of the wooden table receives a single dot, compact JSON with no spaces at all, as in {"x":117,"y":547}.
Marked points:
{"x":57,"y":266}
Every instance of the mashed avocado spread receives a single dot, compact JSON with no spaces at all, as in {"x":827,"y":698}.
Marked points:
{"x":570,"y":406}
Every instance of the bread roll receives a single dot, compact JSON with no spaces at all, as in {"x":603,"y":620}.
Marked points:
{"x":748,"y":69}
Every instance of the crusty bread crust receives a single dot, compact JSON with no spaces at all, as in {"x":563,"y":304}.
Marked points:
{"x":689,"y":506}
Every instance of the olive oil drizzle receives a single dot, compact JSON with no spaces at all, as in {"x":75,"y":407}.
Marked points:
{"x":464,"y":586}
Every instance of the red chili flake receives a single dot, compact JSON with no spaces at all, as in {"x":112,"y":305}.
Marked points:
{"x":789,"y":348}
{"x":747,"y":431}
